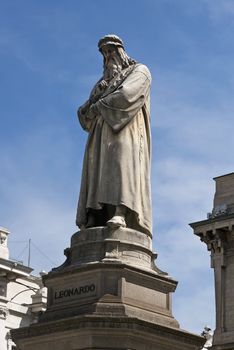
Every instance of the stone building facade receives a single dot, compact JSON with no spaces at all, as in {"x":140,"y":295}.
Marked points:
{"x":22,"y":296}
{"x":217,"y":232}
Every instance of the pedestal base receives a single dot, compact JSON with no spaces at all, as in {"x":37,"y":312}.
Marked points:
{"x":110,"y":289}
{"x":108,"y":295}
{"x":104,"y":333}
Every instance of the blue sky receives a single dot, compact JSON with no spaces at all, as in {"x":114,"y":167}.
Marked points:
{"x":49,"y":62}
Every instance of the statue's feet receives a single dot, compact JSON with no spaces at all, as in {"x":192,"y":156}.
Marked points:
{"x":116,"y":222}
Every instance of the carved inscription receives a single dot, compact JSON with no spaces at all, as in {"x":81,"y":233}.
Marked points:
{"x":64,"y":294}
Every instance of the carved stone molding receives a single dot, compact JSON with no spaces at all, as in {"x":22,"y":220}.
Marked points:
{"x":215,"y":240}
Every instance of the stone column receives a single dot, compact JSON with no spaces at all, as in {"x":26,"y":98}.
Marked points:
{"x":218,"y":234}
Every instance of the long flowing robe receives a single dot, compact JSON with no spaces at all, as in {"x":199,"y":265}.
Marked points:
{"x":116,"y":166}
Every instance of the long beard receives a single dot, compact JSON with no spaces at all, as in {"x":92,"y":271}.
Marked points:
{"x":111,"y":69}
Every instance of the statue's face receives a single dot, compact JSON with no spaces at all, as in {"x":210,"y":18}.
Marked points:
{"x":113,"y":64}
{"x":111,"y":55}
{"x":109,"y":51}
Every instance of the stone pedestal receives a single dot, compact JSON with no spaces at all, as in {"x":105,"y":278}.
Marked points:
{"x":108,"y":295}
{"x":218,"y":233}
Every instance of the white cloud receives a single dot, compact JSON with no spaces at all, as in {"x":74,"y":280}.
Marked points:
{"x":196,"y":309}
{"x":219,"y":8}
{"x":183,"y":193}
{"x":38,"y":199}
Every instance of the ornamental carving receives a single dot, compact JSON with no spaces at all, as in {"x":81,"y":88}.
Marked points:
{"x":3,"y":312}
{"x":215,"y":240}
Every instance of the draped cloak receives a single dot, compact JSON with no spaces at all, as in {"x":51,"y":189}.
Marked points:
{"x":116,"y":165}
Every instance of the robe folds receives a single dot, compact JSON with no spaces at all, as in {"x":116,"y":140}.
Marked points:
{"x":116,"y":165}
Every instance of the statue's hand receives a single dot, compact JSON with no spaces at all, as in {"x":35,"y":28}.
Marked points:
{"x":102,"y":85}
{"x":99,"y":91}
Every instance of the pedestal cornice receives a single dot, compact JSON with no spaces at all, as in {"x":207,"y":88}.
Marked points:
{"x":110,"y":325}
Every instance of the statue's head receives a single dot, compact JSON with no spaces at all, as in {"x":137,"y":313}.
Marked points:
{"x":114,"y":55}
{"x":207,"y":328}
{"x":110,"y":40}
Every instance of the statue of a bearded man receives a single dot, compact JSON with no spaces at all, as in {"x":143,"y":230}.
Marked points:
{"x":115,"y":185}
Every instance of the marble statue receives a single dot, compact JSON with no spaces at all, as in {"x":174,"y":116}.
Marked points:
{"x":115,"y":184}
{"x":208,"y":335}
